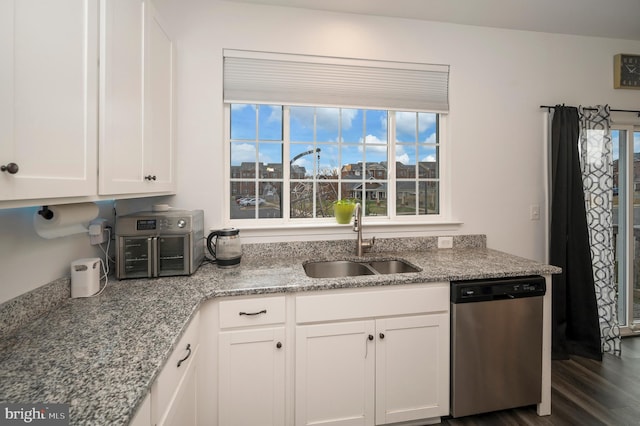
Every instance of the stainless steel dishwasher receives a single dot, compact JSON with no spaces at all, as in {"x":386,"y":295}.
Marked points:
{"x":496,"y":344}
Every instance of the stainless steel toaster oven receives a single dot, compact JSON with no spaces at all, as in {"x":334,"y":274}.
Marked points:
{"x":159,"y":244}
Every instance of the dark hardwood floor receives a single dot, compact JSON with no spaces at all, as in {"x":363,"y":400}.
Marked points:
{"x":583,"y":392}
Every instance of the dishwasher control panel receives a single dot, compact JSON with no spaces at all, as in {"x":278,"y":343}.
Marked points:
{"x":496,"y":289}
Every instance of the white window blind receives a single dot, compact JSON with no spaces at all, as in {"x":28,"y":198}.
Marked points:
{"x":271,"y":78}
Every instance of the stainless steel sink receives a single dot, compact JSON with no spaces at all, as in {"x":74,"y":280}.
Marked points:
{"x":346,"y":268}
{"x":392,"y":267}
{"x":338,"y":268}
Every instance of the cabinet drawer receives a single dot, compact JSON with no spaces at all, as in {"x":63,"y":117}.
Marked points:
{"x":251,"y":312}
{"x":368,"y":303}
{"x":170,"y":376}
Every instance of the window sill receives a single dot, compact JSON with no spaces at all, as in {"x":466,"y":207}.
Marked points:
{"x":331,"y":230}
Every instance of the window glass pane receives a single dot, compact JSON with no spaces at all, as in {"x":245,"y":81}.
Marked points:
{"x":376,"y":198}
{"x":328,"y":162}
{"x":327,"y":120}
{"x":270,"y":122}
{"x":427,"y":127}
{"x":241,"y":193}
{"x":270,"y":166}
{"x":376,"y":162}
{"x":269,"y":202}
{"x":351,"y":161}
{"x":301,"y":199}
{"x":376,"y":126}
{"x":303,"y":160}
{"x":428,"y":202}
{"x":352,"y":125}
{"x":405,"y":198}
{"x":302,"y":128}
{"x":243,"y":160}
{"x":428,"y":166}
{"x":327,"y":194}
{"x":243,"y":122}
{"x":405,"y":161}
{"x":406,"y":126}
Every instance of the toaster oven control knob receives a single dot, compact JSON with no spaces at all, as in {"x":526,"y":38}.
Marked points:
{"x":181,"y":223}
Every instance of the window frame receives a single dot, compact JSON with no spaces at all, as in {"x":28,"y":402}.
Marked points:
{"x":444,"y":216}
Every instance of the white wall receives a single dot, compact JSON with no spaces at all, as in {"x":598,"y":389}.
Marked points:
{"x":28,"y":261}
{"x":498,"y":80}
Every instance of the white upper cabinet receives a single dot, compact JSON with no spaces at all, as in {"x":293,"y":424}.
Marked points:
{"x":136,"y":100}
{"x":48,"y":98}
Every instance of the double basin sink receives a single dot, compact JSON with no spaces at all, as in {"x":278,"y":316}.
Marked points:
{"x":347,"y":268}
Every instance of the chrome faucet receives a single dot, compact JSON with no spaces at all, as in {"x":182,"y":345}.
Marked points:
{"x":361,"y":246}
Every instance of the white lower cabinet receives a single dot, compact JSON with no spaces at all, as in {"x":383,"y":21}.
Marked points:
{"x":252,"y":377}
{"x":174,"y":393}
{"x":412,"y":368}
{"x":390,"y":367}
{"x":252,"y":362}
{"x":358,"y":357}
{"x":335,"y":365}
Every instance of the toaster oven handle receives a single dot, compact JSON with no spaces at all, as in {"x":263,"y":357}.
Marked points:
{"x":151,"y":264}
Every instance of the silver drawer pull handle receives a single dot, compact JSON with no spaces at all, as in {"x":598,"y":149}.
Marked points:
{"x":186,"y":357}
{"x":264,"y":311}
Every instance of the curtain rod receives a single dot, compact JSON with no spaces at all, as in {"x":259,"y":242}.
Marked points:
{"x":549,"y":107}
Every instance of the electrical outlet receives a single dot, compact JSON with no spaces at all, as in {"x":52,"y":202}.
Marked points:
{"x":534,"y":212}
{"x":98,"y":233}
{"x":445,"y":242}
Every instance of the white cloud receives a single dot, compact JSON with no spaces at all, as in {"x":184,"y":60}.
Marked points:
{"x":406,"y":122}
{"x":374,"y":144}
{"x":275,"y":114}
{"x":240,"y":107}
{"x":245,"y":152}
{"x":429,"y":158}
{"x":431,"y":139}
{"x":403,"y":158}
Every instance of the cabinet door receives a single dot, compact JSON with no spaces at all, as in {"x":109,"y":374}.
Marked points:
{"x":121,"y":92}
{"x":136,"y":133}
{"x":158,"y":104}
{"x":183,"y":409}
{"x":335,"y":374}
{"x":252,"y":377}
{"x":412,"y":368}
{"x":48,"y":98}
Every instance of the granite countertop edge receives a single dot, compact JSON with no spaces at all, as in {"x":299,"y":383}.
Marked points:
{"x":101,"y":355}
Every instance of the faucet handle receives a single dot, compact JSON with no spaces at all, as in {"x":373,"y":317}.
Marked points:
{"x":367,"y":245}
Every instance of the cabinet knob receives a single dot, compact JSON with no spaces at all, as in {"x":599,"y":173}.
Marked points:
{"x":11,"y":168}
{"x":150,"y":177}
{"x":279,"y":345}
{"x":371,"y":337}
{"x":382,"y":335}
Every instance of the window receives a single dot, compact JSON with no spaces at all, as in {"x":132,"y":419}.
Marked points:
{"x":626,"y":221}
{"x":304,"y":131}
{"x":331,"y":153}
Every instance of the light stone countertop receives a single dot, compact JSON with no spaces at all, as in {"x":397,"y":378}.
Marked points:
{"x":101,"y":355}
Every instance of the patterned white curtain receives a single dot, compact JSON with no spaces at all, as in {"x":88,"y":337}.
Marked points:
{"x":597,"y":176}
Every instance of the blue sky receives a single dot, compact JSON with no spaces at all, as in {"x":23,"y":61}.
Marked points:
{"x":616,"y":143}
{"x":363,"y":133}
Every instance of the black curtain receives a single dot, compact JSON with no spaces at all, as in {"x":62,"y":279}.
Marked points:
{"x":575,"y":323}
